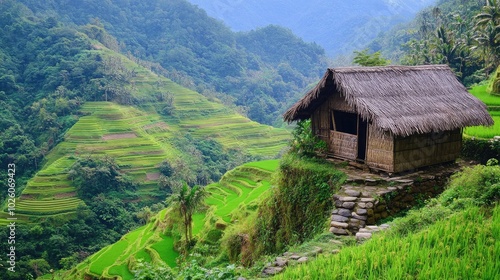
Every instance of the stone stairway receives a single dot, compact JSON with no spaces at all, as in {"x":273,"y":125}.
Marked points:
{"x":367,"y":198}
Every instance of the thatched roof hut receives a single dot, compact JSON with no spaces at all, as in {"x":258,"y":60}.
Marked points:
{"x":393,"y":102}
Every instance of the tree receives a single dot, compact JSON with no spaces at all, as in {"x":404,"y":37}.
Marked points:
{"x":364,"y":59}
{"x":487,"y":33}
{"x":187,"y":200}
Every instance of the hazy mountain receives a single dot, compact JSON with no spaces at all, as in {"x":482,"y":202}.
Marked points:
{"x":338,"y":26}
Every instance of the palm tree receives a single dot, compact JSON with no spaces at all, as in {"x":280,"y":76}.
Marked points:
{"x":187,"y":200}
{"x":487,"y":32}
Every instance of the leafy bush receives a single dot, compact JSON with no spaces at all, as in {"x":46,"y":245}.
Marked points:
{"x":304,"y":142}
{"x":196,"y":272}
{"x":147,"y":271}
{"x":479,"y":184}
{"x":480,"y":149}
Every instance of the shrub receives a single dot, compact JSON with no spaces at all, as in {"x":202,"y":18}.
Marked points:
{"x":480,"y":149}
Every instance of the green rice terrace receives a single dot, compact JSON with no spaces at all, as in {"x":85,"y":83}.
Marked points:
{"x":493,"y":103}
{"x":240,"y":188}
{"x":139,"y":139}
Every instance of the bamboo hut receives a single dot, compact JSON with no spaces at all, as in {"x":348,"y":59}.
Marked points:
{"x":392,"y":118}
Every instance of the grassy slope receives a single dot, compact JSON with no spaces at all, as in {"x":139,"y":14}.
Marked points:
{"x":49,"y":192}
{"x":493,"y":103}
{"x":454,"y":236}
{"x":238,"y":188}
{"x":464,"y":246}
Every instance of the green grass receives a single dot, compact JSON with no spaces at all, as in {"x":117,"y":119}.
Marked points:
{"x":464,"y":246}
{"x":240,"y":187}
{"x":165,"y":249}
{"x":493,"y":103}
{"x":481,"y":93}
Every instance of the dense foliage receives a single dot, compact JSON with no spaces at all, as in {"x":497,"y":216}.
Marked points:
{"x":462,"y":34}
{"x":260,"y":70}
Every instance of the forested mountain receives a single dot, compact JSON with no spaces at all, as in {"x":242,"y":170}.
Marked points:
{"x":338,"y":26}
{"x":454,"y":32}
{"x":201,"y":52}
{"x":98,"y":140}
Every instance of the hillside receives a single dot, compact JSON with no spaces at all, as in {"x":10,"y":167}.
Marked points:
{"x":452,"y":237}
{"x":139,"y":139}
{"x":200,"y":52}
{"x":238,"y":192}
{"x":340,"y":27}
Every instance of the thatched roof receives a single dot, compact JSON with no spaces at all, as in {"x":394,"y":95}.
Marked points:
{"x":402,"y":99}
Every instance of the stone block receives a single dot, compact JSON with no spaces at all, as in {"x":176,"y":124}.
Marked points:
{"x":338,"y":231}
{"x":348,"y":205}
{"x":347,"y":198}
{"x":361,"y":211}
{"x":338,"y":224}
{"x":369,"y":205}
{"x":363,"y":235}
{"x":361,"y":205}
{"x":367,"y":199}
{"x":338,"y":218}
{"x":353,"y":193}
{"x":359,"y":217}
{"x":345,"y":212}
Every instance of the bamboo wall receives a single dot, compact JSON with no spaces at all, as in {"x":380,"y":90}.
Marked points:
{"x":426,"y":149}
{"x":380,"y":151}
{"x":343,"y":145}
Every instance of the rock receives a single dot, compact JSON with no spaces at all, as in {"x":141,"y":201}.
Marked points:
{"x":348,"y":205}
{"x":338,"y":225}
{"x":294,"y":257}
{"x":345,"y":212}
{"x":338,"y":218}
{"x":287,"y":254}
{"x":347,"y":198}
{"x":359,"y":217}
{"x":272,"y":270}
{"x":353,"y":193}
{"x":336,"y":251}
{"x":361,"y":211}
{"x":384,"y":226}
{"x":363,"y":235}
{"x":370,"y":182}
{"x":338,"y":231}
{"x":361,"y":205}
{"x":316,"y":251}
{"x":302,"y":260}
{"x":335,"y":211}
{"x":280,"y":262}
{"x":367,"y":199}
{"x":369,"y":205}
{"x":338,"y":203}
{"x":373,"y":228}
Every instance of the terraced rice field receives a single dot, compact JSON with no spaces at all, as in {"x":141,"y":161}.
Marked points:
{"x":493,"y":103}
{"x":139,"y":139}
{"x":240,"y":187}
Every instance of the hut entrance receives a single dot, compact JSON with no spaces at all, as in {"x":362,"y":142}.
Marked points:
{"x":362,"y":133}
